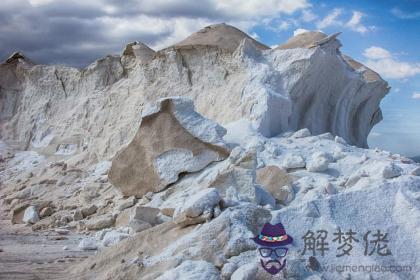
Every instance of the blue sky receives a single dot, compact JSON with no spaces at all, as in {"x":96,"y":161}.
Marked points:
{"x":384,"y":35}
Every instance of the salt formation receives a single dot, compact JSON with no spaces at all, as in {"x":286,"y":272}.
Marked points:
{"x":222,"y":36}
{"x":164,"y":165}
{"x":57,"y":109}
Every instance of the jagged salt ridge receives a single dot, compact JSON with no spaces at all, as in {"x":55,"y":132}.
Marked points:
{"x":58,"y":109}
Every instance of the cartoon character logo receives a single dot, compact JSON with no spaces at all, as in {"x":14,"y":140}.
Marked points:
{"x":272,"y":247}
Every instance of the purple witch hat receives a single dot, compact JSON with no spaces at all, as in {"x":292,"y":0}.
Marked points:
{"x":273,"y":236}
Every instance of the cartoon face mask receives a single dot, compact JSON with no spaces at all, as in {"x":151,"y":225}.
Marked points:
{"x":272,"y":250}
{"x":271,"y":258}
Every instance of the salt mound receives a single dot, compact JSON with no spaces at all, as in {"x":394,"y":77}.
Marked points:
{"x":303,"y":40}
{"x":221,"y":35}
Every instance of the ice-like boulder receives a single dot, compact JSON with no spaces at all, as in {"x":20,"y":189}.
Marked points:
{"x":30,"y":216}
{"x":317,"y":163}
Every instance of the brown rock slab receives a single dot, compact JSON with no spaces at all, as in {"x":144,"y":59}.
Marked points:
{"x":274,"y":179}
{"x":303,"y":40}
{"x":17,"y":213}
{"x":172,"y":139}
{"x":46,"y":211}
{"x":89,"y":210}
{"x":167,"y":211}
{"x":100,"y":222}
{"x":146,"y":214}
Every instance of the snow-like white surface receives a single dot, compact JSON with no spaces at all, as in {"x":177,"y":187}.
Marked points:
{"x":358,"y":189}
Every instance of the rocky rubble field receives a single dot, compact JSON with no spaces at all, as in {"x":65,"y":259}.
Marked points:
{"x":163,"y":165}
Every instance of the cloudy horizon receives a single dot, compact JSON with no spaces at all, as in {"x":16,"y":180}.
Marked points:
{"x":381,"y":35}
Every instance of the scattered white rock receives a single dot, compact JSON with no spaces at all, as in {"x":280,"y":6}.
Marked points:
{"x":204,"y":200}
{"x":317,"y":163}
{"x":126,"y":203}
{"x":99,"y":235}
{"x":102,"y":168}
{"x":340,"y":140}
{"x":62,"y":231}
{"x":391,"y":170}
{"x":383,"y":169}
{"x":338,"y":153}
{"x":88,"y":244}
{"x":31,"y":215}
{"x":304,"y":132}
{"x":293,"y":161}
{"x":112,"y":237}
{"x":415,"y":171}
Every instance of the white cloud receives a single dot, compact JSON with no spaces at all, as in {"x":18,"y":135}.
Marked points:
{"x":181,"y":28}
{"x":101,"y":27}
{"x":376,"y":53}
{"x":405,"y":15}
{"x":257,"y":8}
{"x":383,"y":62}
{"x":416,"y":95}
{"x":284,"y":25}
{"x":355,"y":23}
{"x":330,"y":19}
{"x":393,"y":69}
{"x":36,"y":3}
{"x":308,"y":16}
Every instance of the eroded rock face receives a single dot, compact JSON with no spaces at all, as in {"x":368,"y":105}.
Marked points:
{"x":172,"y":139}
